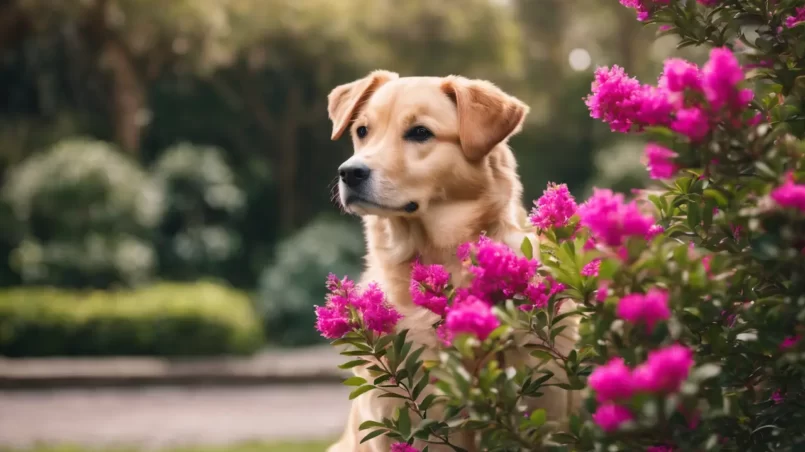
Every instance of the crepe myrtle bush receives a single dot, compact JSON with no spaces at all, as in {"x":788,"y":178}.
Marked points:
{"x":690,"y":296}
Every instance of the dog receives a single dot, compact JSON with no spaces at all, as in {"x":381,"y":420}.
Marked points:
{"x":431,"y":170}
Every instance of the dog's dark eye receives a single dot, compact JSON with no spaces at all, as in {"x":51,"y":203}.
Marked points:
{"x":361,"y":131}
{"x":419,"y":134}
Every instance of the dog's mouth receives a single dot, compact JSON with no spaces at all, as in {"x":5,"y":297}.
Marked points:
{"x":359,"y":201}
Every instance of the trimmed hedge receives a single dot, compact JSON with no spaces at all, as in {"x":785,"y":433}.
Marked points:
{"x":163,"y":320}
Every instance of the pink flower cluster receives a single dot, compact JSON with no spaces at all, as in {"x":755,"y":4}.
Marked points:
{"x":592,"y":268}
{"x":428,"y":285}
{"x":612,"y":220}
{"x":645,"y":8}
{"x":403,"y":447}
{"x":687,"y":99}
{"x":554,"y":208}
{"x":647,"y":309}
{"x":614,"y":383}
{"x":469,"y":316}
{"x":348,"y":308}
{"x":790,"y":194}
{"x":538,"y":294}
{"x":796,"y":19}
{"x":498,"y":272}
{"x":660,"y":161}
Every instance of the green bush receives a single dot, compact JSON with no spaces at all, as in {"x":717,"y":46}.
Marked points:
{"x":85,"y":213}
{"x":166,"y":319}
{"x":294,"y":283}
{"x":198,"y":231}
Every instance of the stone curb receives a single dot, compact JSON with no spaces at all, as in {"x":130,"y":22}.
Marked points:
{"x":302,"y":366}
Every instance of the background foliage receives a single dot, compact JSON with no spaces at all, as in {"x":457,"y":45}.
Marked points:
{"x":214,"y":110}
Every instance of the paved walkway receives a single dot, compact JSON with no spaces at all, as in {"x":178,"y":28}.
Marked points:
{"x":305,"y":365}
{"x":156,"y":417}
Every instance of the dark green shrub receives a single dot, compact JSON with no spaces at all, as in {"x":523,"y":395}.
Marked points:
{"x":198,"y":230}
{"x":86,"y":214}
{"x":165,"y":319}
{"x":294,"y":283}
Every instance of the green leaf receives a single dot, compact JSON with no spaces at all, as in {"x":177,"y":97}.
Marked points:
{"x":399,"y":342}
{"x":353,"y":363}
{"x":694,"y":215}
{"x":563,"y":438}
{"x":427,"y":402}
{"x":360,"y":390}
{"x":383,"y":341}
{"x":372,"y":434}
{"x":527,"y":248}
{"x":411,"y":363}
{"x":404,"y":422}
{"x":370,"y":424}
{"x":423,"y":382}
{"x":391,"y":395}
{"x":538,"y":418}
{"x":424,"y":428}
{"x":354,"y":381}
{"x":542,"y":354}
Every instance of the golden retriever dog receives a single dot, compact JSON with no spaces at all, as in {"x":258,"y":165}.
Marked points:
{"x":431,"y":170}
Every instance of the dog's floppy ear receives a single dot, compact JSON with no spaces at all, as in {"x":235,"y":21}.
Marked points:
{"x":486,"y":115}
{"x":344,"y":101}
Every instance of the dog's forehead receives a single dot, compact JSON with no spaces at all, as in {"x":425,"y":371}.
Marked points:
{"x":412,"y":95}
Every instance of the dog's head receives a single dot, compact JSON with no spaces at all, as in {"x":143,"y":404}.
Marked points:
{"x":419,"y":141}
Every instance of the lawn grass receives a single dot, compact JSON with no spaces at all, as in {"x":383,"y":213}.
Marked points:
{"x":319,"y":446}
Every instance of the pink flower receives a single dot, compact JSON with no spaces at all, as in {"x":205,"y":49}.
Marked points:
{"x":790,"y":194}
{"x":471,"y":316}
{"x":643,"y":7}
{"x":709,"y":2}
{"x":649,"y":308}
{"x":610,"y":101}
{"x":612,"y":381}
{"x":664,"y":370}
{"x":499,"y":272}
{"x":720,"y":78}
{"x":706,"y":263}
{"x":610,"y":416}
{"x":790,"y":342}
{"x":602,"y":292}
{"x":652,"y":106}
{"x":660,"y":161}
{"x":654,"y":231}
{"x":346,"y":306}
{"x":403,"y":447}
{"x":777,"y":397}
{"x":691,"y":122}
{"x":554,"y":208}
{"x":428,"y":284}
{"x":539,"y":294}
{"x":797,"y":18}
{"x":333,"y":321}
{"x":377,"y":315}
{"x":592,"y":268}
{"x":611,"y":219}
{"x":679,"y":75}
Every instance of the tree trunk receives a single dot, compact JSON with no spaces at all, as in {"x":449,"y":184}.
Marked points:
{"x":288,"y":158}
{"x":128,"y":96}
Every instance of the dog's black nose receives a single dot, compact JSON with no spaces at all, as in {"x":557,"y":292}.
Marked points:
{"x":354,"y":174}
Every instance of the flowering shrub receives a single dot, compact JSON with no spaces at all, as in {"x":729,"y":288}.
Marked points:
{"x":691,"y":297}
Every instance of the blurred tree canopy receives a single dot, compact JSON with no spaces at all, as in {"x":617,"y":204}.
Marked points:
{"x":230,"y":96}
